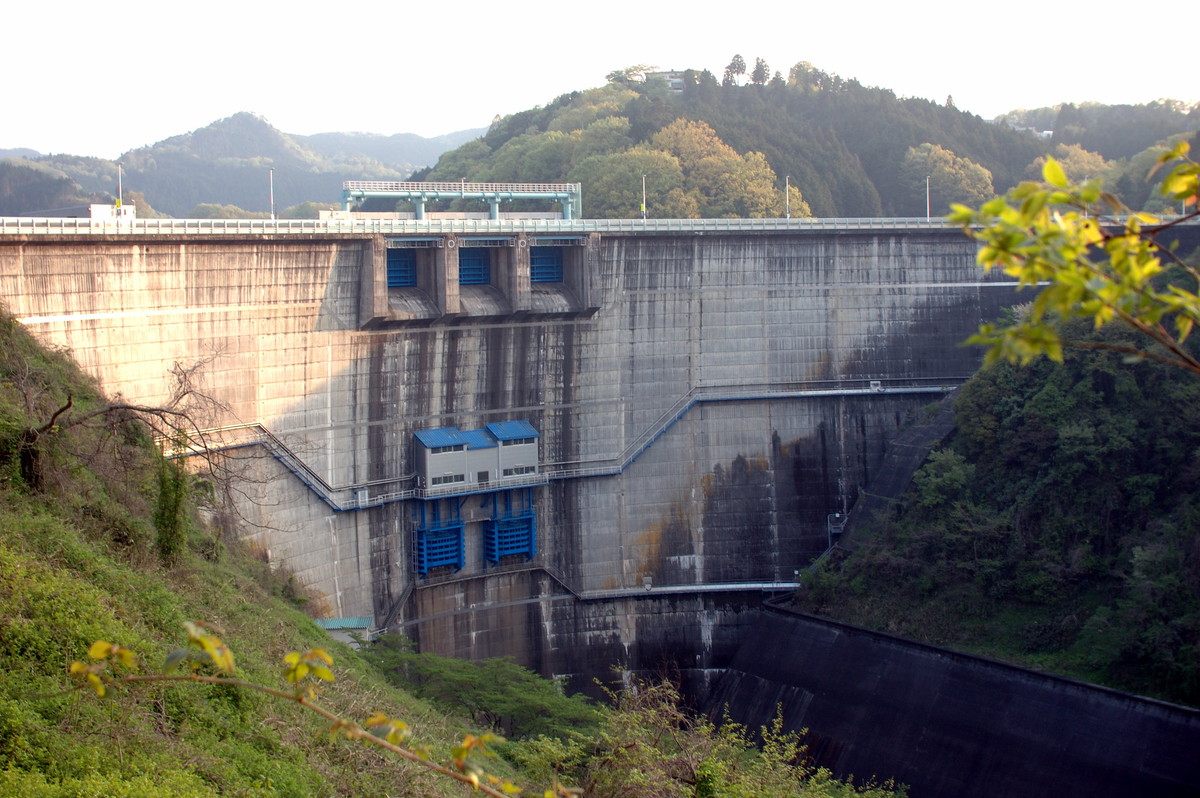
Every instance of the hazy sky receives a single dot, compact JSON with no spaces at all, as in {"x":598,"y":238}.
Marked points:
{"x":93,"y":78}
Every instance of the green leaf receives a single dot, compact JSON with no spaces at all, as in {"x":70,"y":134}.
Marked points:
{"x":174,"y":658}
{"x":1052,"y":173}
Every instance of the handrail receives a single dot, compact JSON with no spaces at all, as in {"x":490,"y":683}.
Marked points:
{"x":418,"y":187}
{"x":735,"y":393}
{"x":28,"y":226}
{"x":350,"y":497}
{"x":24,"y":226}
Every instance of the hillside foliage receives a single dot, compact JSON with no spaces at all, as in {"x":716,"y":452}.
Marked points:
{"x":846,"y":149}
{"x":109,"y":543}
{"x":1058,"y":527}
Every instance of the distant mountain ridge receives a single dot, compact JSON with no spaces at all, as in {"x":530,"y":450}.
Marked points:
{"x":844,"y":148}
{"x":225,"y":163}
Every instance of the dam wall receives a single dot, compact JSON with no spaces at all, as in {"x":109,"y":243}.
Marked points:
{"x":950,"y":724}
{"x":705,"y":399}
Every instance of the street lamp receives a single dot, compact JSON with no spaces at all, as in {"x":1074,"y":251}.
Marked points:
{"x":927,"y":198}
{"x":643,"y":198}
{"x":787,"y":195}
{"x":271,"y":173}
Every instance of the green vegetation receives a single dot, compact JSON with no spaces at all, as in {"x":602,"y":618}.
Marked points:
{"x":1057,"y":527}
{"x":850,"y":150}
{"x":495,"y":693}
{"x":1049,"y":235}
{"x":27,"y":186}
{"x":208,"y":210}
{"x":846,"y":150}
{"x":647,"y":747}
{"x":80,"y":561}
{"x":1117,"y":131}
{"x":226,"y":163}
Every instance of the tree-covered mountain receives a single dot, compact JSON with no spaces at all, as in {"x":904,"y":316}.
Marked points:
{"x":850,"y":150}
{"x":28,"y":186}
{"x":1114,"y":131}
{"x":227,"y":163}
{"x":406,"y":151}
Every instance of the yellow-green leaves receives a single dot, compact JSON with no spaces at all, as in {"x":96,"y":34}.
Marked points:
{"x":389,"y":729}
{"x":209,"y":647}
{"x":1053,"y":173}
{"x":96,"y":674}
{"x":1049,"y":235}
{"x":104,"y":650}
{"x":313,"y":663}
{"x":92,"y":675}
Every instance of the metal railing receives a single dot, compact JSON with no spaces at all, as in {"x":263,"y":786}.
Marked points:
{"x":736,"y":393}
{"x":418,"y":187}
{"x":362,"y":496}
{"x":20,"y":225}
{"x":28,"y":226}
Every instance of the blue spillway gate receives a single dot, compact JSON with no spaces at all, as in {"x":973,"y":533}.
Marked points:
{"x":438,"y":542}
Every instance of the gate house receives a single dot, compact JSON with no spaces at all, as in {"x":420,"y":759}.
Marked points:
{"x":450,"y":460}
{"x":501,"y":460}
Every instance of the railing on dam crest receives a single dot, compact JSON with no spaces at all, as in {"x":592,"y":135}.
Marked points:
{"x":21,"y":226}
{"x":28,"y":226}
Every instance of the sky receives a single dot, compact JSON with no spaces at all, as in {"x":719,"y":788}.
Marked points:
{"x":100,"y":79}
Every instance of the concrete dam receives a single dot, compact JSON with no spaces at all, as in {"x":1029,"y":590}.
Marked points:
{"x":705,"y":397}
{"x":595,"y":443}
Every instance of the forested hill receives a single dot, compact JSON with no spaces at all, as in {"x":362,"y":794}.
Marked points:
{"x":849,"y":149}
{"x":219,"y":169}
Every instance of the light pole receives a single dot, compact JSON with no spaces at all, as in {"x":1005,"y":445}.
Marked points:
{"x":272,"y":189}
{"x":787,"y":196}
{"x":927,"y":198}
{"x":643,"y":198}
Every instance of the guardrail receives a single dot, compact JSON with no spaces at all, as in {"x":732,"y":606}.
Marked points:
{"x":14,"y":225}
{"x":23,"y":226}
{"x":571,"y":595}
{"x":361,"y":496}
{"x":462,"y":185}
{"x":739,"y":393}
